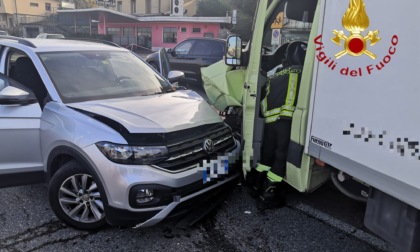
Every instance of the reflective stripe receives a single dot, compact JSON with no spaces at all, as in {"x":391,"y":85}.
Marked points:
{"x":286,"y":113}
{"x":288,"y":108}
{"x":264,"y":101}
{"x":271,"y":119}
{"x":272,"y":112}
{"x":291,"y":90}
{"x":263,"y":168}
{"x":274,"y":177}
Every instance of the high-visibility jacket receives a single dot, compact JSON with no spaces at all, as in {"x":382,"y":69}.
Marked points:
{"x":281,"y":93}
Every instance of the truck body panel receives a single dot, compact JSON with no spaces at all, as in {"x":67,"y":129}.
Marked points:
{"x":363,"y":117}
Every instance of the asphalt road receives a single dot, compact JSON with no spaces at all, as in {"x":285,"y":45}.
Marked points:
{"x":307,"y":223}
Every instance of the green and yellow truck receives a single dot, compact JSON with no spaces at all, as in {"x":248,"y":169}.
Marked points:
{"x":356,"y":119}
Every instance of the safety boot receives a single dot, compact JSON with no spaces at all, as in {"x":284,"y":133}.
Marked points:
{"x":255,"y":180}
{"x":273,"y":195}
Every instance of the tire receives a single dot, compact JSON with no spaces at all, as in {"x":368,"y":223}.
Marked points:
{"x":76,"y":198}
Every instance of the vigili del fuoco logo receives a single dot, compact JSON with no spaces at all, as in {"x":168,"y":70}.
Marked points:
{"x":355,"y":21}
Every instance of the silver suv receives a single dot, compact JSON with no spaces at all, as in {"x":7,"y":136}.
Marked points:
{"x":113,"y":139}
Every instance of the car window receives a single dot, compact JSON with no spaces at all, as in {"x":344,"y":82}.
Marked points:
{"x":6,"y":82}
{"x":11,"y":62}
{"x":93,"y":75}
{"x":217,"y":49}
{"x":201,"y":47}
{"x":184,"y":47}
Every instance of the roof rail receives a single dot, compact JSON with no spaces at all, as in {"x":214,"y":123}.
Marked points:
{"x":106,"y":42}
{"x":19,"y":40}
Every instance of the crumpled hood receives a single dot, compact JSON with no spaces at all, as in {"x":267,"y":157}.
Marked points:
{"x":223,"y":85}
{"x":156,"y":113}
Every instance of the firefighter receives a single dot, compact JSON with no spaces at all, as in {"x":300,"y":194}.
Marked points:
{"x":277,"y":107}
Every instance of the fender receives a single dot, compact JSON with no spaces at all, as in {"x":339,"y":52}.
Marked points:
{"x":70,"y":154}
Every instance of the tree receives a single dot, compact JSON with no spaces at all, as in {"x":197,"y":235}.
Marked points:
{"x":212,"y":8}
{"x":245,"y":13}
{"x":245,"y":16}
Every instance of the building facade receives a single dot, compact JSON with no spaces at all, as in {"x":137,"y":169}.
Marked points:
{"x":16,"y":12}
{"x":156,"y":7}
{"x":162,"y":31}
{"x":146,"y":24}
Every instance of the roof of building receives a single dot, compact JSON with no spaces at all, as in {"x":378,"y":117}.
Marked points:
{"x":113,"y":16}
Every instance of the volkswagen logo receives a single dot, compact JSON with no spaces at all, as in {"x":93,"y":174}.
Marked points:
{"x":208,"y":146}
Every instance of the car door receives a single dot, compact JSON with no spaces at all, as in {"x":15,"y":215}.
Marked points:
{"x":181,"y":59}
{"x":200,"y":56}
{"x":20,"y":149}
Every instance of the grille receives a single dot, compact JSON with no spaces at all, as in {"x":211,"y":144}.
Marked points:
{"x":189,"y":151}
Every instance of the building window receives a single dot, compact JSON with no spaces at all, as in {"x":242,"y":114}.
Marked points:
{"x":169,"y":35}
{"x":196,"y":30}
{"x":113,"y":31}
{"x":128,"y":31}
{"x":183,"y":29}
{"x":148,"y":6}
{"x":119,"y":6}
{"x":144,"y":36}
{"x":33,"y":4}
{"x":47,"y":6}
{"x":133,"y":6}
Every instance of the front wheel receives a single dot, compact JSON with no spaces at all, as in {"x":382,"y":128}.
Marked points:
{"x":75,"y":197}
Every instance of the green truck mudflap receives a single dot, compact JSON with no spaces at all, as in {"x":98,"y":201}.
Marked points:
{"x":223,"y":85}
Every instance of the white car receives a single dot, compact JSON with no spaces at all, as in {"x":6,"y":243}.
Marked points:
{"x":50,"y":36}
{"x":113,"y":139}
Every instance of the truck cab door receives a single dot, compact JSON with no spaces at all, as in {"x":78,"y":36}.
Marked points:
{"x":20,"y":150}
{"x":302,"y":172}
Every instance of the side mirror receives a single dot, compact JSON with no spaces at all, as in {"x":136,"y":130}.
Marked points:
{"x":175,"y":76}
{"x":170,"y":50}
{"x":15,"y":96}
{"x":234,"y":51}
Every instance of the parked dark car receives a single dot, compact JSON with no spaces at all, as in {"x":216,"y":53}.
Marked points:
{"x":190,"y":55}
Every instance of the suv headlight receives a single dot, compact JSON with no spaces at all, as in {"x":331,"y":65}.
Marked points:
{"x":126,"y":154}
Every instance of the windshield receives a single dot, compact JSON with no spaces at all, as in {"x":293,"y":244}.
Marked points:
{"x":94,"y":75}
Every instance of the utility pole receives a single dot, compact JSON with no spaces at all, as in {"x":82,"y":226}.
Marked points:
{"x":17,"y":18}
{"x":159,"y":7}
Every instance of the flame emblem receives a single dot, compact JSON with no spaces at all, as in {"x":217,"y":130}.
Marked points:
{"x":356,"y":20}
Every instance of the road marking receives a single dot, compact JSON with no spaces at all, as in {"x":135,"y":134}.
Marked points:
{"x":345,"y":227}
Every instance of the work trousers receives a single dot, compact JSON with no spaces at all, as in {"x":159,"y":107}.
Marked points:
{"x":275,"y":145}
